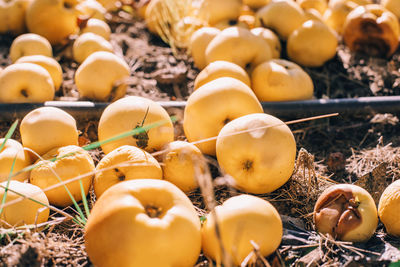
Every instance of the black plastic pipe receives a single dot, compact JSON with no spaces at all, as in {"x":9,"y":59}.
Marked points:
{"x":293,"y":109}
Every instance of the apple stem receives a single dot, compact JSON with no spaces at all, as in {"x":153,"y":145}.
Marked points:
{"x":153,"y":212}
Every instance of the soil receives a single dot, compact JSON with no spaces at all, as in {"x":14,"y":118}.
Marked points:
{"x":344,"y":149}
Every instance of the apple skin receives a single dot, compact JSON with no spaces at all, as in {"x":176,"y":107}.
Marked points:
{"x":130,"y":112}
{"x":45,"y":128}
{"x":25,"y":212}
{"x":25,"y":83}
{"x":336,"y":14}
{"x":198,"y":45}
{"x":88,"y":43}
{"x":271,"y":38}
{"x":346,"y":212}
{"x":143,"y":222}
{"x":204,"y":115}
{"x":92,"y":9}
{"x":101,"y":77}
{"x":259,"y":161}
{"x":72,"y":162}
{"x":388,"y":208}
{"x":140,"y":165}
{"x":98,"y":27}
{"x":393,"y":6}
{"x":12,"y":16}
{"x":281,"y":80}
{"x":242,"y":219}
{"x":318,"y":5}
{"x":215,"y":11}
{"x":29,"y":44}
{"x":49,"y":63}
{"x":13,"y":149}
{"x":256,"y":4}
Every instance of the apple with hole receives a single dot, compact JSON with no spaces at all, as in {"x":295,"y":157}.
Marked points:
{"x":12,"y":16}
{"x":49,"y":63}
{"x":88,"y":43}
{"x":312,"y":44}
{"x":271,"y":38}
{"x":25,"y":83}
{"x":143,"y":222}
{"x":258,"y":151}
{"x":29,"y":44}
{"x":71,"y":162}
{"x":219,"y":69}
{"x":46,"y":128}
{"x":102,"y":77}
{"x":55,"y":20}
{"x":205,"y":115}
{"x":281,"y":80}
{"x":13,"y":151}
{"x":26,"y":211}
{"x":198,"y":45}
{"x":388,"y":208}
{"x":182,"y":163}
{"x":122,"y":164}
{"x":98,"y":27}
{"x":133,"y":112}
{"x":242,"y":219}
{"x":346,"y":212}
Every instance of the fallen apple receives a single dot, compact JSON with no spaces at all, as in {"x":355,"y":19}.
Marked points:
{"x":13,"y":157}
{"x":92,"y":9}
{"x":98,"y":27}
{"x":271,"y":38}
{"x":388,"y":208}
{"x":29,"y":44}
{"x":198,"y":45}
{"x":12,"y":16}
{"x":88,"y":43}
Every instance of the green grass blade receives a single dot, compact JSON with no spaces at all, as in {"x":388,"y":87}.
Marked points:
{"x":84,"y":200}
{"x":9,"y":134}
{"x":3,"y":201}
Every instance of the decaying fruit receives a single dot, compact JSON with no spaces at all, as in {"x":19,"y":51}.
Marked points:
{"x":346,"y":212}
{"x":389,"y":207}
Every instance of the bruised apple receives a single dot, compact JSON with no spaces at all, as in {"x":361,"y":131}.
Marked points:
{"x":143,"y":222}
{"x":13,"y":151}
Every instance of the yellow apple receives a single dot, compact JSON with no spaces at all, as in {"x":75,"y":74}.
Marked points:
{"x":30,"y":44}
{"x":373,"y":30}
{"x":215,"y":11}
{"x":179,"y":164}
{"x":98,"y":27}
{"x":388,"y":208}
{"x":13,"y":150}
{"x":219,"y":69}
{"x":55,"y":20}
{"x":336,"y":14}
{"x":133,"y":112}
{"x":313,"y":14}
{"x":92,"y":9}
{"x":110,"y":5}
{"x":223,"y":24}
{"x":198,"y":45}
{"x":319,"y":5}
{"x":242,"y":220}
{"x":125,"y":163}
{"x":256,"y":4}
{"x":143,"y":222}
{"x":392,"y":5}
{"x":25,"y":83}
{"x":49,"y":63}
{"x":249,"y":21}
{"x":88,"y":43}
{"x":357,"y":2}
{"x":25,"y":212}
{"x":281,"y":80}
{"x":12,"y":16}
{"x":346,"y":212}
{"x":45,"y":128}
{"x":312,"y":44}
{"x":271,"y":38}
{"x":205,"y":114}
{"x":260,"y":160}
{"x":239,"y":46}
{"x":72,"y":161}
{"x":283,"y":17}
{"x":102,"y":77}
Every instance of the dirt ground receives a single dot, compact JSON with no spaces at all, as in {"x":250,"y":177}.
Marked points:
{"x":361,"y":149}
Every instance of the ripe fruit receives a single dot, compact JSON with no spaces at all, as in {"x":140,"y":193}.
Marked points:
{"x":281,"y":80}
{"x":271,"y":38}
{"x":215,"y":11}
{"x":49,"y":63}
{"x":283,"y":17}
{"x":12,"y":16}
{"x":25,"y":83}
{"x":134,"y":162}
{"x":259,"y":161}
{"x":133,"y":112}
{"x":239,"y":46}
{"x":143,"y":222}
{"x":179,"y":164}
{"x":88,"y":43}
{"x":92,"y":9}
{"x":219,"y":69}
{"x":25,"y":212}
{"x":102,"y":77}
{"x":13,"y":150}
{"x":256,"y":4}
{"x":48,"y":127}
{"x":388,"y":208}
{"x":198,"y":45}
{"x":205,"y":115}
{"x":318,"y":5}
{"x":30,"y":44}
{"x":393,"y":6}
{"x":336,"y":14}
{"x":346,"y":212}
{"x":372,"y":30}
{"x":55,"y":20}
{"x":312,"y":44}
{"x":72,"y":161}
{"x":241,"y":220}
{"x":98,"y":27}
